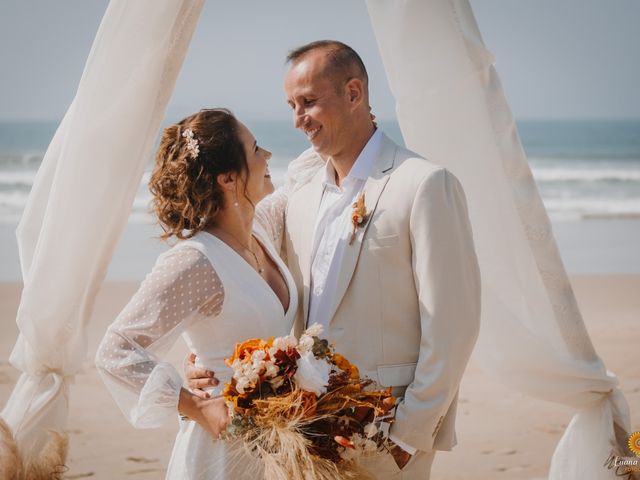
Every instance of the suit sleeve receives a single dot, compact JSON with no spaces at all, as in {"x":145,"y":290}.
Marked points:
{"x":447,"y":280}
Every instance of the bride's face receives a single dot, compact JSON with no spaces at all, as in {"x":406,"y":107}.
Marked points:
{"x":258,"y":179}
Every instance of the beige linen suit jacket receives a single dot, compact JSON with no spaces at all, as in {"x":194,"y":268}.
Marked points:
{"x":407,"y":306}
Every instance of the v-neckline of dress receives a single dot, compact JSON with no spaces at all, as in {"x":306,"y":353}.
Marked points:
{"x":276,"y":261}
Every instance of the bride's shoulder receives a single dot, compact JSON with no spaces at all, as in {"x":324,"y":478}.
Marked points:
{"x":186,"y":258}
{"x":307,"y":159}
{"x":308,"y":154}
{"x":185,"y":270}
{"x":186,"y":253}
{"x":187,"y":245}
{"x":301,"y":170}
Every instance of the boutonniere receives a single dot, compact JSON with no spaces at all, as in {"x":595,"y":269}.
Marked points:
{"x":358,"y":216}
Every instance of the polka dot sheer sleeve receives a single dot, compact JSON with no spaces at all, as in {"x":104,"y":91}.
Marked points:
{"x":182,"y":288}
{"x":270,"y":212}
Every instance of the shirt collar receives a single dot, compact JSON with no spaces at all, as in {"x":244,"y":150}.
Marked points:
{"x":361,"y":167}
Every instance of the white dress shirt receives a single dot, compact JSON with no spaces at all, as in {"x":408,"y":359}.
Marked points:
{"x":333,"y":230}
{"x":331,"y":236}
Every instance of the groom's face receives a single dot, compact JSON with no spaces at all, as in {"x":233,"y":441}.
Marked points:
{"x":319,"y":103}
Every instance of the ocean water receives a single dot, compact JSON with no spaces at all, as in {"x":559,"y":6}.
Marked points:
{"x":583,"y":169}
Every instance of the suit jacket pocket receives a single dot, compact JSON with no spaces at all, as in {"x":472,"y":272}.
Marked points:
{"x":381,"y":242}
{"x":398,"y":375}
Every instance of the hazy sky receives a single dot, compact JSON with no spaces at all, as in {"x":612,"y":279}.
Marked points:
{"x":556,"y":58}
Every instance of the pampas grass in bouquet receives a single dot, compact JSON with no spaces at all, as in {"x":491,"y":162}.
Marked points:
{"x":303,"y":410}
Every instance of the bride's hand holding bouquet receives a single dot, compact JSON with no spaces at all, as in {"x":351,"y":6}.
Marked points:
{"x":212,"y":414}
{"x":303,"y":408}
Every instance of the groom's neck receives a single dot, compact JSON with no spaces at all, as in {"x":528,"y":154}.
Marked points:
{"x":343,"y":161}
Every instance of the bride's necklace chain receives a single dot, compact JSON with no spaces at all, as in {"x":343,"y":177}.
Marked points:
{"x":246,"y":247}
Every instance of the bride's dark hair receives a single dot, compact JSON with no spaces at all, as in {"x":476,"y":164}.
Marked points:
{"x":186,"y":194}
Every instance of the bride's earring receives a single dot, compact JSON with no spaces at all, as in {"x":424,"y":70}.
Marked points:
{"x":235,"y":196}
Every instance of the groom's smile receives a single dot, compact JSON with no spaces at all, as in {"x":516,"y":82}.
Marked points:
{"x":311,"y":133}
{"x":319,"y":103}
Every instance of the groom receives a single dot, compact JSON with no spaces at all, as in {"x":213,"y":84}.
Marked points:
{"x":399,"y":292}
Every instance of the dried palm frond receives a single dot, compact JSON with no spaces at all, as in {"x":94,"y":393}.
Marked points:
{"x":281,"y":436}
{"x":10,"y":460}
{"x":48,"y":465}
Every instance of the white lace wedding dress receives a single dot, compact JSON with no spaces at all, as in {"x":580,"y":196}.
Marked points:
{"x":206,"y":292}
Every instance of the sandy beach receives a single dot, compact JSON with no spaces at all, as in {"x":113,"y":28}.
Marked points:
{"x":501,"y":434}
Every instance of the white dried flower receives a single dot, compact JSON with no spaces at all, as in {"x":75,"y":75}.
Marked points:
{"x":361,"y":447}
{"x":348,"y":454}
{"x":370,"y":430}
{"x":258,"y":363}
{"x":236,"y":365}
{"x":364,"y":445}
{"x":251,"y":374}
{"x":271,"y":369}
{"x":283,"y":343}
{"x":369,"y":447}
{"x":312,"y":374}
{"x":277,"y":382}
{"x":305,"y":344}
{"x":192,"y":143}
{"x":258,"y":355}
{"x":314,"y":330}
{"x":242,"y":383}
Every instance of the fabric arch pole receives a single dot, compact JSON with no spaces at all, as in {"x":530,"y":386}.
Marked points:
{"x":81,"y":199}
{"x":452,"y":110}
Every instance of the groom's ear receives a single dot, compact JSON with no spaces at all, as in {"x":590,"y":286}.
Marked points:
{"x":354,"y":89}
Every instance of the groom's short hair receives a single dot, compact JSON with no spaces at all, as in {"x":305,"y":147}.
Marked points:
{"x":343,"y":61}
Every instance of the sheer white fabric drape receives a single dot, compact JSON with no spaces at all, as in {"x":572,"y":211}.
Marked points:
{"x":82,"y":197}
{"x":452,"y":110}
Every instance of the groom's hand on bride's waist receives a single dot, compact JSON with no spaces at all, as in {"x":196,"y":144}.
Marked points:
{"x":198,"y":378}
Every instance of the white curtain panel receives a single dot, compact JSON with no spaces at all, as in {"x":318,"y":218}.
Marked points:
{"x":452,"y":110}
{"x":81,"y":199}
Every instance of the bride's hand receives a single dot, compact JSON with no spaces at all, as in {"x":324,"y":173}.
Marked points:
{"x":215,"y":416}
{"x":212,"y":414}
{"x":198,"y":378}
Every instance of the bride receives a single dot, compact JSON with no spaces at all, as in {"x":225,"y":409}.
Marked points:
{"x":221,"y":283}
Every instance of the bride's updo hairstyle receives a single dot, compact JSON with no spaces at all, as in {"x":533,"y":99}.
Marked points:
{"x":186,"y":194}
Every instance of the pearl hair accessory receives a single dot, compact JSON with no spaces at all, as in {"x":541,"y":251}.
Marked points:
{"x":192,"y":143}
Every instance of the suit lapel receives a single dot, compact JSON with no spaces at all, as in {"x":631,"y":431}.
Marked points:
{"x":373,"y":188}
{"x":301,"y":221}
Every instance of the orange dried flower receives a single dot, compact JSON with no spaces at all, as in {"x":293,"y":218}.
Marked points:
{"x":245,"y":349}
{"x":343,"y":364}
{"x":344,"y":442}
{"x":358,"y":216}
